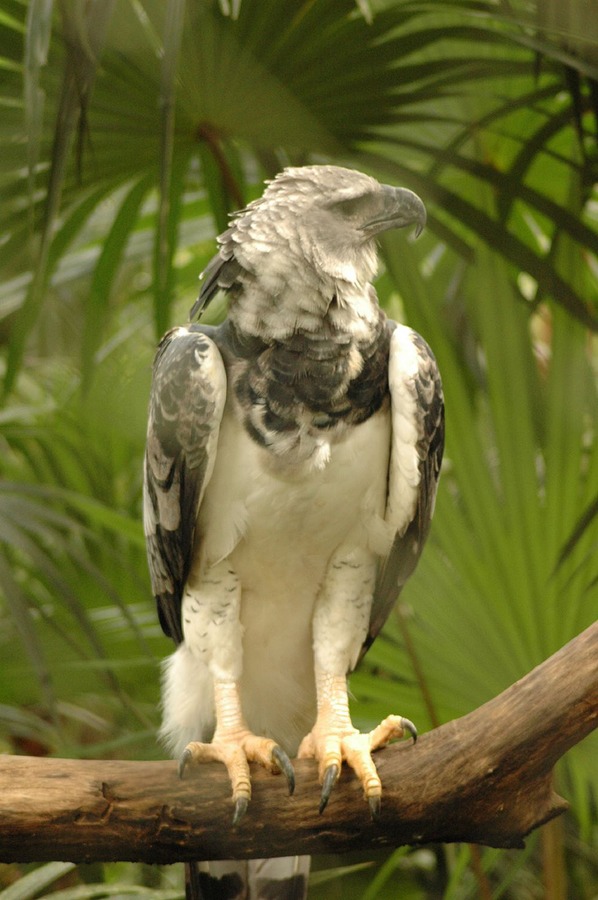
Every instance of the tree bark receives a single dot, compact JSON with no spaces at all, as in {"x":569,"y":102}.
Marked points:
{"x":484,"y":778}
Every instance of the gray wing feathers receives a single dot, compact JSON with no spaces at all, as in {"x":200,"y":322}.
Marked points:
{"x":186,"y":404}
{"x":416,"y":456}
{"x":220,"y":274}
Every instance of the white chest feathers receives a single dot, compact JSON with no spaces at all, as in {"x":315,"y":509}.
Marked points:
{"x":285,"y":519}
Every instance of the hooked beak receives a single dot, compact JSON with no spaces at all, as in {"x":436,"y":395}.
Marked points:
{"x":401,"y":207}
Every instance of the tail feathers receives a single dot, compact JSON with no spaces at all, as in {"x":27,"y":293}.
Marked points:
{"x":215,"y":881}
{"x":283,"y":878}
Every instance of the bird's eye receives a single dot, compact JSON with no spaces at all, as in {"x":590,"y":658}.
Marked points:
{"x":352,"y":207}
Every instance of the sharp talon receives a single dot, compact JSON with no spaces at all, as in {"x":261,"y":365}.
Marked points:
{"x":185,"y":758}
{"x":284,"y":764}
{"x":410,"y":727}
{"x":374,"y":804}
{"x":241,"y":805}
{"x":330,"y":778}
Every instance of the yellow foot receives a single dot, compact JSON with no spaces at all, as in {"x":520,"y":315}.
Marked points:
{"x":236,"y":746}
{"x":332,"y":742}
{"x":236,"y":750}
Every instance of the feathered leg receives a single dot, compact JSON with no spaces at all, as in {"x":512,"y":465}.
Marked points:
{"x":209,"y":666}
{"x":340,"y":625}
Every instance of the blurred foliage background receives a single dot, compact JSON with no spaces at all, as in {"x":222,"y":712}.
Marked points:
{"x":129,"y":130}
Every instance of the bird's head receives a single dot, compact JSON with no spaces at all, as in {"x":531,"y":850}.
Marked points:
{"x":332,"y":216}
{"x":312,"y":233}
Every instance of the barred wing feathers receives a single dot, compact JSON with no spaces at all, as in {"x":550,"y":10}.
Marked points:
{"x":186,"y":405}
{"x":416,"y":455}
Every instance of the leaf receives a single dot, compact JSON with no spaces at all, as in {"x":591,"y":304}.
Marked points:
{"x":170,"y":189}
{"x":30,"y":885}
{"x":37,"y":42}
{"x":85,"y":37}
{"x":105,"y":270}
{"x":20,"y":610}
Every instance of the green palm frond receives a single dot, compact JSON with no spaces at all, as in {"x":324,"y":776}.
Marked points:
{"x":509,"y":575}
{"x":129,"y":133}
{"x":161,"y":97}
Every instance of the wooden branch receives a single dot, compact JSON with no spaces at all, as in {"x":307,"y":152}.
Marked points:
{"x":484,"y":778}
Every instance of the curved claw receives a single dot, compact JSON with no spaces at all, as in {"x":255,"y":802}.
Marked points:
{"x":241,"y":805}
{"x":410,"y":727}
{"x":185,"y":758}
{"x":284,"y":764}
{"x":330,"y":778}
{"x":374,"y":804}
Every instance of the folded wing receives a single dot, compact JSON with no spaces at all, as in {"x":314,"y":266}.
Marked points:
{"x":186,"y":405}
{"x":416,"y":454}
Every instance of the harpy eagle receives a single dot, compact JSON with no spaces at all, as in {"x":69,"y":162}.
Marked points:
{"x":292,"y":459}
